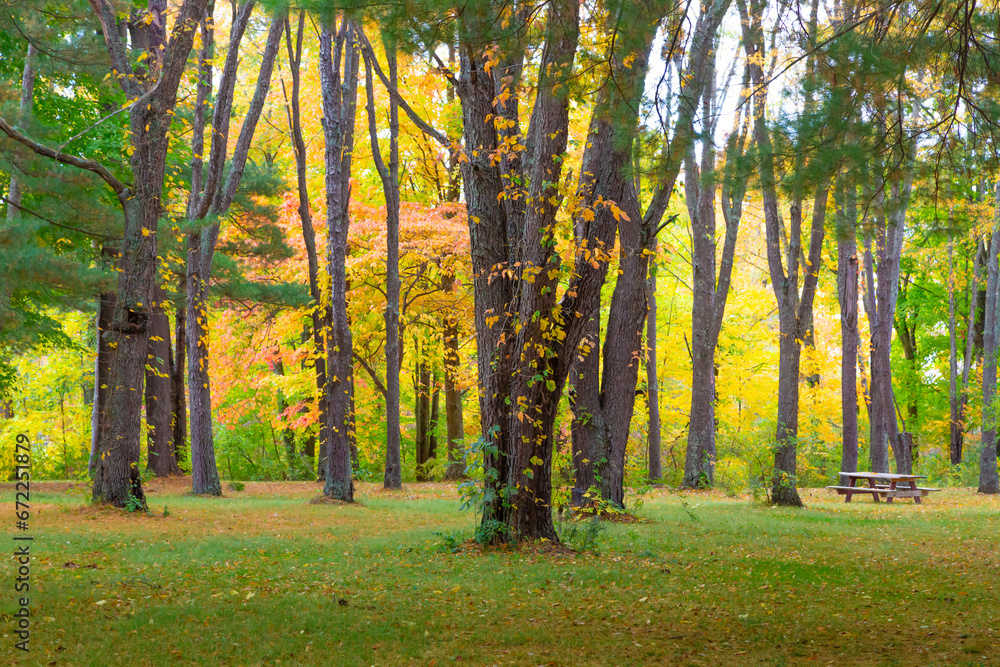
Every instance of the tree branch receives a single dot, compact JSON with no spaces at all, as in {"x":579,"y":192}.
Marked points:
{"x":116,"y":50}
{"x":80,"y":163}
{"x":425,"y":127}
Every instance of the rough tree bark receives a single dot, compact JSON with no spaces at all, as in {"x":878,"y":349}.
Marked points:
{"x":889,"y":234}
{"x":178,"y":398}
{"x":338,"y":126}
{"x":989,"y":480}
{"x":711,"y":291}
{"x":794,"y":307}
{"x":847,"y":295}
{"x":210,"y":204}
{"x":654,"y":469}
{"x":159,"y":391}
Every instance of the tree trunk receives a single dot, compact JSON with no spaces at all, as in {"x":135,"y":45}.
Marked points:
{"x":216,"y":199}
{"x":338,"y":112}
{"x":178,"y":401}
{"x":421,"y":412}
{"x":889,"y":244}
{"x":159,"y":392}
{"x":389,"y":175}
{"x":14,"y":190}
{"x":989,"y":480}
{"x":847,"y":294}
{"x":654,"y":470}
{"x":102,"y":374}
{"x":967,"y":358}
{"x":320,"y":315}
{"x":435,"y":414}
{"x":453,"y":401}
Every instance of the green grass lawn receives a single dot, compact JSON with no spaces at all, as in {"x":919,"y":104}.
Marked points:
{"x":264,"y":577}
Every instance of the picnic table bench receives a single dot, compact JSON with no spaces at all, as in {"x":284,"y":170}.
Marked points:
{"x":883,"y":484}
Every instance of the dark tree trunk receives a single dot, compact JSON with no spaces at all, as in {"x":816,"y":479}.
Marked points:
{"x":591,"y":439}
{"x":14,"y":189}
{"x":889,"y":245}
{"x":654,"y":471}
{"x":102,"y":374}
{"x":958,"y":428}
{"x":320,"y":315}
{"x":989,"y":479}
{"x":287,"y":434}
{"x":794,"y":307}
{"x":389,"y":175}
{"x":178,"y":401}
{"x":421,"y":413}
{"x":453,"y":400}
{"x":338,"y":112}
{"x":435,"y":414}
{"x":215,"y":199}
{"x":159,"y":392}
{"x":847,"y":294}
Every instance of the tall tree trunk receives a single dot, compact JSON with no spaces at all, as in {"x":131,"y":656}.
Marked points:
{"x":389,"y":175}
{"x":320,"y":315}
{"x":159,"y":392}
{"x":699,"y":183}
{"x":794,"y":307}
{"x":215,"y":199}
{"x":847,"y":294}
{"x":989,"y":480}
{"x":967,"y":358}
{"x":338,"y":112}
{"x":421,"y":413}
{"x":889,"y":245}
{"x":654,"y":471}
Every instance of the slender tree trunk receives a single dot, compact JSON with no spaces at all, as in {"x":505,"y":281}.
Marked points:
{"x":699,"y":183}
{"x":179,"y":402}
{"x":435,"y":414}
{"x":889,"y":243}
{"x":216,"y":199}
{"x":989,"y":480}
{"x":389,"y":175}
{"x":422,"y":399}
{"x":847,"y":293}
{"x":453,"y":400}
{"x":320,"y":315}
{"x":159,"y":392}
{"x":967,"y":359}
{"x":102,"y":373}
{"x":654,"y":469}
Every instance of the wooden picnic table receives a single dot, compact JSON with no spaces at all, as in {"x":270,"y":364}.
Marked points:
{"x":883,"y":484}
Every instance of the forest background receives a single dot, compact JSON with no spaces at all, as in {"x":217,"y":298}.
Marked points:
{"x":265,"y":406}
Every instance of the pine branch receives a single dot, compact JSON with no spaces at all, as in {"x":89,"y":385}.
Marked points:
{"x":79,"y":163}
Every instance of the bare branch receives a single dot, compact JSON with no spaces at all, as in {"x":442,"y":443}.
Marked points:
{"x":417,"y":120}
